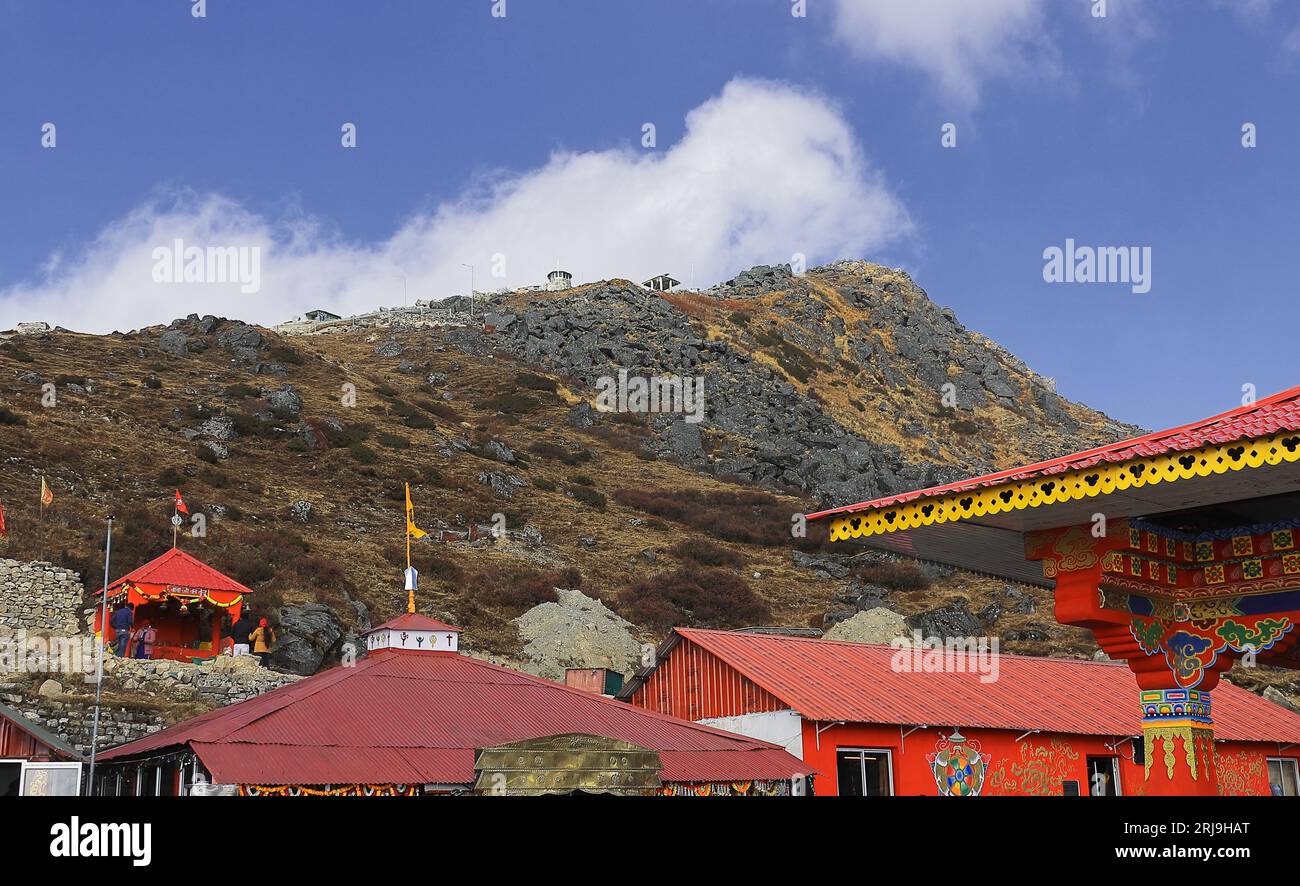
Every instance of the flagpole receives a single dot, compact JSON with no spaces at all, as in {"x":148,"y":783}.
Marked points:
{"x":40,"y":523}
{"x":99,"y":661}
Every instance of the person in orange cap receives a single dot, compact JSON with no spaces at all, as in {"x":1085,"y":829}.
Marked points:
{"x":263,"y":638}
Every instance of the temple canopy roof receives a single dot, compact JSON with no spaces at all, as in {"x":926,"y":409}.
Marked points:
{"x":1237,"y":469}
{"x":177,"y":569}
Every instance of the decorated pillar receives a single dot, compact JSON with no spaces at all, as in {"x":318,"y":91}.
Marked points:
{"x":1178,"y":739}
{"x":1179,"y":612}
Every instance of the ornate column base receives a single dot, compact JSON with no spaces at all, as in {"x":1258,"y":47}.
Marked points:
{"x":1178,"y":737}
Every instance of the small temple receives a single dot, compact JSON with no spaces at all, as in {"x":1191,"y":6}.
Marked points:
{"x":1179,"y":550}
{"x":184,"y":599}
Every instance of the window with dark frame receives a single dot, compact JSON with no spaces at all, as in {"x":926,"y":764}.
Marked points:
{"x":863,"y":772}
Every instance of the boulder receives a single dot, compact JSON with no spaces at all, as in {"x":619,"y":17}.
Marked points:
{"x":308,"y":635}
{"x":174,"y":343}
{"x":498,"y":451}
{"x":502,"y":484}
{"x":284,"y":399}
{"x":1271,"y":693}
{"x":240,"y":338}
{"x":576,"y":632}
{"x":953,"y":620}
{"x":871,"y":626}
{"x":581,"y":416}
{"x":219,"y":427}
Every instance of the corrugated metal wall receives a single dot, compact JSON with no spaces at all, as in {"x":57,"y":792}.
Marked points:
{"x":693,"y":684}
{"x":15,"y":743}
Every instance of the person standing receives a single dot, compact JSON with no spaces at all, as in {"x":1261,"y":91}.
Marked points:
{"x":263,"y":639}
{"x":240,"y":630}
{"x":120,"y":622}
{"x":145,"y":639}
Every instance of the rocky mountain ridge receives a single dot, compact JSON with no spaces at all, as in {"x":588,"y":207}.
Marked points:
{"x":834,"y":386}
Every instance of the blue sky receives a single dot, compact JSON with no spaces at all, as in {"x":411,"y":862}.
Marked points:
{"x":520,"y":137}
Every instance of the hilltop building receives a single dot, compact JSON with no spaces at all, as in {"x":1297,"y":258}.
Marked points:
{"x":661,"y":283}
{"x":1042,"y":726}
{"x":558,"y":280}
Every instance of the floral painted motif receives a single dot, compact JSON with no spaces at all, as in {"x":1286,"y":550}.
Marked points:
{"x":1040,"y":771}
{"x":1242,"y":774}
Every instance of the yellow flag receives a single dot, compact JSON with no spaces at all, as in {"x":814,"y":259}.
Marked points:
{"x":47,"y":496}
{"x":411,"y":529}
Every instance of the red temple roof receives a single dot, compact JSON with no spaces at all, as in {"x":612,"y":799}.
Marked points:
{"x":178,"y":569}
{"x":414,"y":621}
{"x":831,"y":680}
{"x":1278,"y":413}
{"x":411,"y":718}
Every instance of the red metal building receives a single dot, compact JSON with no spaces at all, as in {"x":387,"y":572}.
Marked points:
{"x":885,"y":720}
{"x":1178,"y":550}
{"x":415,"y":716}
{"x":35,"y":761}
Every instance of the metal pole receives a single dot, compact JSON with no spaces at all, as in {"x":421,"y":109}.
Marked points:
{"x":99,"y":660}
{"x":471,"y":288}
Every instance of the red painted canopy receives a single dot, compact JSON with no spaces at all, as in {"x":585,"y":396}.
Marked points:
{"x":1278,"y":413}
{"x":178,"y":574}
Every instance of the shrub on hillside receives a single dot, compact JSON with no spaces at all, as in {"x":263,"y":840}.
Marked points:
{"x":534,"y":382}
{"x":693,"y":596}
{"x":705,"y":553}
{"x":560,"y":453}
{"x":515,"y":589}
{"x":510,"y":404}
{"x":442,"y":410}
{"x":900,"y":575}
{"x":393,"y":441}
{"x":589,"y":497}
{"x":362,"y":453}
{"x":747,"y":517}
{"x":242,"y":390}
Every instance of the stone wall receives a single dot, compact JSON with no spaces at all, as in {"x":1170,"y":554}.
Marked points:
{"x":73,"y":720}
{"x":140,"y":697}
{"x":39,"y":596}
{"x":39,"y":600}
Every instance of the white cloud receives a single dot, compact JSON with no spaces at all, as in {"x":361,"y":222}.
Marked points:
{"x":959,"y":43}
{"x":763,"y":171}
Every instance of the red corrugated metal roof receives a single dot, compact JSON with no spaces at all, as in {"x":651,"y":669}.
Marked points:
{"x":1280,"y":412}
{"x":831,"y":680}
{"x":178,"y":569}
{"x":419,"y":717}
{"x":414,"y":621}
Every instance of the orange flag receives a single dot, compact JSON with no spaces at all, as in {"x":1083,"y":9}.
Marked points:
{"x":4,"y":530}
{"x":180,"y":504}
{"x":411,"y":529}
{"x":47,"y":496}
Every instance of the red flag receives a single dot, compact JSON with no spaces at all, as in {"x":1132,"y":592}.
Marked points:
{"x":180,"y":504}
{"x":4,"y":530}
